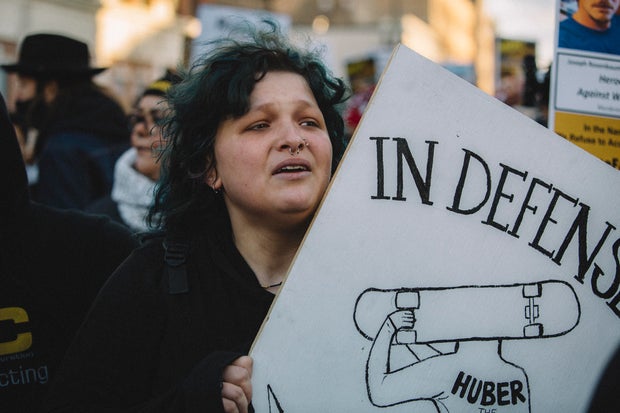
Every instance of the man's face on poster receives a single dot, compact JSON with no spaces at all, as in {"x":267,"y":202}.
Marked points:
{"x":601,"y":11}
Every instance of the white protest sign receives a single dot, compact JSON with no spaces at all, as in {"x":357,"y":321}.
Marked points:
{"x":465,"y":259}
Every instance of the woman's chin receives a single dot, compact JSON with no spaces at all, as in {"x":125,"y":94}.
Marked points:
{"x":299,"y":212}
{"x":146,"y":168}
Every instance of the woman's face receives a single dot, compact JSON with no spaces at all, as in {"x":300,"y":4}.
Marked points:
{"x":274,"y":162}
{"x":146,"y":134}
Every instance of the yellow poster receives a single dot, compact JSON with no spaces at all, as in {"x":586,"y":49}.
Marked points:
{"x":598,"y":135}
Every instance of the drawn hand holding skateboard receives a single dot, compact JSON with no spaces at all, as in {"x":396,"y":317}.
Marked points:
{"x":412,"y":323}
{"x":403,"y":322}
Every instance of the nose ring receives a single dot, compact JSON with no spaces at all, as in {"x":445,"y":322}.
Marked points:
{"x":303,"y":144}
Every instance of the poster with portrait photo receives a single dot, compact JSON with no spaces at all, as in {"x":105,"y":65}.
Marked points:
{"x":584,"y":105}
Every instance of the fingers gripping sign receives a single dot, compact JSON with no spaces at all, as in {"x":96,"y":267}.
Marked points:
{"x":236,"y":385}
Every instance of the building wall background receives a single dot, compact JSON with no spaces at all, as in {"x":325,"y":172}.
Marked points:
{"x":139,"y":39}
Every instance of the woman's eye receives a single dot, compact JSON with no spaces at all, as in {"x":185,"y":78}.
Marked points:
{"x":157,"y":116}
{"x":309,"y":122}
{"x":260,"y":125}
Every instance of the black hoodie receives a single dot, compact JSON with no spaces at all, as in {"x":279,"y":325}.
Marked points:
{"x":52,"y":264}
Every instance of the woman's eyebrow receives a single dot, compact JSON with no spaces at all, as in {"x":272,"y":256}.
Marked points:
{"x":304,"y":103}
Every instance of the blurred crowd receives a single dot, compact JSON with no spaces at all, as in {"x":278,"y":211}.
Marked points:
{"x":80,"y":175}
{"x":72,"y":132}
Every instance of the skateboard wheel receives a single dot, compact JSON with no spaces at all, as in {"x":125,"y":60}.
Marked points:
{"x":532,"y":290}
{"x":407,"y":299}
{"x":406,"y":337}
{"x":533,"y":330}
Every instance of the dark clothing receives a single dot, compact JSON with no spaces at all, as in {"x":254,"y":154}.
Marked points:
{"x":78,"y":148}
{"x":573,"y":35}
{"x":52,"y":264}
{"x":50,"y":275}
{"x":606,"y":398}
{"x":108,"y":207}
{"x":144,"y":349}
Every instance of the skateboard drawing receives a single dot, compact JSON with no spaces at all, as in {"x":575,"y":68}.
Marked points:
{"x":274,"y":403}
{"x":542,"y":309}
{"x":410,"y":328}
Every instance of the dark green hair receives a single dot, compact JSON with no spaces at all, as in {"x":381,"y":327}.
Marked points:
{"x":218,"y":87}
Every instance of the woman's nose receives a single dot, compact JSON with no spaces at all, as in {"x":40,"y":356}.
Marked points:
{"x":141,"y":128}
{"x":296,"y":150}
{"x":291,"y":139}
{"x":295,"y":145}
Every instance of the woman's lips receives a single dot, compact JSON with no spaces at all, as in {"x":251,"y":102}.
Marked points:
{"x":292,"y":166}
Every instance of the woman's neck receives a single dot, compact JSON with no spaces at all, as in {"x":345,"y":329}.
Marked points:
{"x":268,"y":251}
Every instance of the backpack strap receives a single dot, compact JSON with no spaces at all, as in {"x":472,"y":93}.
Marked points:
{"x":176,"y":257}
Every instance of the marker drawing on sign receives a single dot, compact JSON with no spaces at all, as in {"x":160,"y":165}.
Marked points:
{"x":274,"y":403}
{"x":411,"y":328}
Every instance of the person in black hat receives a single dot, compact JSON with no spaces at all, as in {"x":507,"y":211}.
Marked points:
{"x":52,"y":264}
{"x":79,"y":129}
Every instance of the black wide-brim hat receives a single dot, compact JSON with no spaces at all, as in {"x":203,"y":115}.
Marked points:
{"x":53,"y":55}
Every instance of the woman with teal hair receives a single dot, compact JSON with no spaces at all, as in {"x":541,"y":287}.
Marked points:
{"x":254,"y":135}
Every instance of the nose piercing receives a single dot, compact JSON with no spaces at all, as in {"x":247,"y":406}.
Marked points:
{"x":299,"y":148}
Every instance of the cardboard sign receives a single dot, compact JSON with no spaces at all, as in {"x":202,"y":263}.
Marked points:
{"x":465,"y":259}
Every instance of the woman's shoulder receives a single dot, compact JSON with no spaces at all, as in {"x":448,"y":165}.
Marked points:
{"x":143,"y":269}
{"x":105,"y":206}
{"x":150,"y":252}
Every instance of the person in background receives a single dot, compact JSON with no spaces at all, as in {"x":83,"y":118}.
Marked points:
{"x":137,"y":170}
{"x":252,"y":141}
{"x":595,"y":27}
{"x":52,"y":264}
{"x":72,"y":130}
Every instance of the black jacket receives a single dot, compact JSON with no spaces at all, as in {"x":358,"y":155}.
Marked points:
{"x":145,"y":349}
{"x":52,"y":264}
{"x":108,"y":207}
{"x":77,"y":149}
